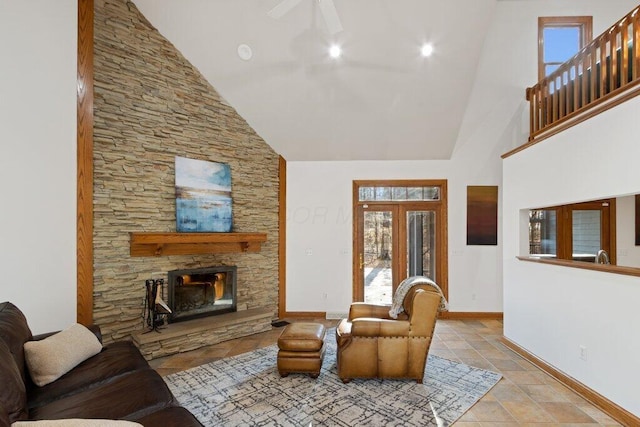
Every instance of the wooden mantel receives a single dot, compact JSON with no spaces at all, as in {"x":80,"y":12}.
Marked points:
{"x":161,"y":244}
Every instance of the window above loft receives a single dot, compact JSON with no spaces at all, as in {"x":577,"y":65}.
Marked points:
{"x":559,"y":39}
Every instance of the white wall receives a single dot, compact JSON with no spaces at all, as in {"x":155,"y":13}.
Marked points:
{"x":551,"y":311}
{"x":496,"y":121}
{"x":319,"y":218}
{"x":38,"y":160}
{"x":628,"y":253}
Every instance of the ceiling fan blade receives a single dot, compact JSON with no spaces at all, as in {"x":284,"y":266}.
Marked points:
{"x":282,"y":8}
{"x":330,"y":15}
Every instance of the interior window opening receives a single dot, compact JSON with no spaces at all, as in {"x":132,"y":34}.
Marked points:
{"x":577,"y":232}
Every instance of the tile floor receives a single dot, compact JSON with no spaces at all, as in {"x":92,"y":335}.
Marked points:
{"x":525,"y":396}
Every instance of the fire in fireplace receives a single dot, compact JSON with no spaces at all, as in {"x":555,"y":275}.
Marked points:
{"x":201,"y":292}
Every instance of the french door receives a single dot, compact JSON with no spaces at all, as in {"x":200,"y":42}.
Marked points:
{"x":399,"y":231}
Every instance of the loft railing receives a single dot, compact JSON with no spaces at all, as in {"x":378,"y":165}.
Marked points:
{"x":604,"y":73}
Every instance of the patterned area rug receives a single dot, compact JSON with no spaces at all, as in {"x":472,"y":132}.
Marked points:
{"x":246,"y":390}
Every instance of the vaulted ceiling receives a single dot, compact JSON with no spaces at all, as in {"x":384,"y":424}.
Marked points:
{"x":380,"y":100}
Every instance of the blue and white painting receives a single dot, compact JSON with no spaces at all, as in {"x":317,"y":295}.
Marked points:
{"x":203,"y":196}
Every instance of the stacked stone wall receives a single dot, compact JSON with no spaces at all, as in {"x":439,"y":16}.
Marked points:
{"x":151,"y":105}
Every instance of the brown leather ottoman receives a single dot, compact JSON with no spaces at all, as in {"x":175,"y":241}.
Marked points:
{"x":301,"y":349}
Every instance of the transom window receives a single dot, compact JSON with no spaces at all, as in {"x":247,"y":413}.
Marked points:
{"x":398,"y":193}
{"x":559,"y":39}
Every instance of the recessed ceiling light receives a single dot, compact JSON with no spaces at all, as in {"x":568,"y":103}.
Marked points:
{"x":426,"y":50}
{"x":335,"y":51}
{"x":244,"y":52}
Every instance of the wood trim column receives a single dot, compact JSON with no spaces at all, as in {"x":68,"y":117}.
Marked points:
{"x":84,"y":225}
{"x":282,"y":237}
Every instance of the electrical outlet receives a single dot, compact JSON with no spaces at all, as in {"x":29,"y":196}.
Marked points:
{"x":583,"y":352}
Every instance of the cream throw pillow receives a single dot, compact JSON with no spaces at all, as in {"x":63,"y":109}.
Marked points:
{"x":75,"y":422}
{"x":54,"y":356}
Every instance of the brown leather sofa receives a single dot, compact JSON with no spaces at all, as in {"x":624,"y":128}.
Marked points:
{"x":116,"y":383}
{"x":373,"y":345}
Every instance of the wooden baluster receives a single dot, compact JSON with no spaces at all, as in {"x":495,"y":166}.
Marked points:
{"x":553,"y":91}
{"x":624,"y":52}
{"x":540,"y":108}
{"x":603,"y":65}
{"x":532,"y":111}
{"x":546,"y":100}
{"x":546,"y":96}
{"x":561,"y":96}
{"x":576,"y":84}
{"x":593,"y":75}
{"x":586,"y":65}
{"x":636,"y":44}
{"x":566,"y":91}
{"x":613,"y":58}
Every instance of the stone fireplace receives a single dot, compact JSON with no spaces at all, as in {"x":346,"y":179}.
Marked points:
{"x":157,"y":107}
{"x":200,"y":292}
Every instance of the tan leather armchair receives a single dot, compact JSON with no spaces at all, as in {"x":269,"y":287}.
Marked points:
{"x":373,"y":345}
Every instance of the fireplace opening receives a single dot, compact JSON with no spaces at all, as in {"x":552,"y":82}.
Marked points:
{"x":200,"y":292}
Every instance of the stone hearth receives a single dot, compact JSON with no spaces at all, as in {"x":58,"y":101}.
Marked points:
{"x":193,"y":334}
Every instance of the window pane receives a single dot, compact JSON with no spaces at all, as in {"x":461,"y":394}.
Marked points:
{"x":378,"y":246}
{"x":421,"y":244}
{"x":414,"y":193}
{"x":399,"y":193}
{"x":431,"y":193}
{"x":542,"y":233}
{"x":366,"y":194}
{"x":586,"y":234}
{"x":383,"y":193}
{"x":560,"y":43}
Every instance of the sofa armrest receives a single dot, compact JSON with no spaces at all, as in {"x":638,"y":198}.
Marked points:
{"x":362,"y":309}
{"x":95,"y":329}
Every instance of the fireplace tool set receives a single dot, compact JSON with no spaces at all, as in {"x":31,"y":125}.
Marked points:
{"x":155,"y":309}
